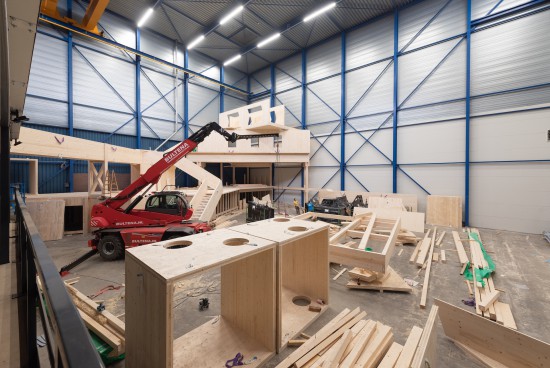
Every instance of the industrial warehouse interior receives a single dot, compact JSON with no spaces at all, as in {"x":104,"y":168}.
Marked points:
{"x":275,"y":183}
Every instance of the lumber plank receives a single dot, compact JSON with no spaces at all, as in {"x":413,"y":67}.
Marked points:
{"x":507,"y":316}
{"x":426,"y":353}
{"x":463,"y":258}
{"x":375,"y":350}
{"x":489,"y":300}
{"x":391,"y":356}
{"x":418,"y":246}
{"x":507,"y":346}
{"x":427,"y":276}
{"x":333,"y":337}
{"x":334,"y":360}
{"x":339,"y":273}
{"x":362,"y":339}
{"x":366,"y":235}
{"x":424,"y":250}
{"x":407,"y":354}
{"x":109,"y":337}
{"x":362,"y":274}
{"x":337,"y":322}
{"x":440,"y":239}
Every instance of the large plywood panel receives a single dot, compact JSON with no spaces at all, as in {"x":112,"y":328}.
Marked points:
{"x":514,"y":136}
{"x":513,"y":197}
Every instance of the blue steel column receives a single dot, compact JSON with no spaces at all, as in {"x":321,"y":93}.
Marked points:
{"x":222,"y":89}
{"x":138,"y":91}
{"x":186,"y":96}
{"x":70,"y":106}
{"x":467,"y":159}
{"x":343,"y":114}
{"x":303,"y":122}
{"x":395,"y":96}
{"x":272,"y":92}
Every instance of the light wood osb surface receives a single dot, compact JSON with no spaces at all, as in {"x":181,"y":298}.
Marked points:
{"x":444,"y":211}
{"x":281,"y":229}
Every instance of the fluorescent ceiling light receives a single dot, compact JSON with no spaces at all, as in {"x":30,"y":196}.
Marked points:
{"x":269,"y":39}
{"x":234,"y":58}
{"x":195,"y":42}
{"x":319,"y":12}
{"x":231,"y":15}
{"x":146,"y":16}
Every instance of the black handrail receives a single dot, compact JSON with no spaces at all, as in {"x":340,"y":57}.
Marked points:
{"x":68,"y":341}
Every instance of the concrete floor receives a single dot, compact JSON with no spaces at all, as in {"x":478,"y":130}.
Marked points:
{"x":522,"y":272}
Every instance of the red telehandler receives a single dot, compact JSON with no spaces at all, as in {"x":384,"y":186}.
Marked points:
{"x":166,"y":213}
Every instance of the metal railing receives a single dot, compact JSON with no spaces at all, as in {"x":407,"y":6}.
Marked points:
{"x":67,"y":340}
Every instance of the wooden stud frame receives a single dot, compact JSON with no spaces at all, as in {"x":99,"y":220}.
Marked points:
{"x":247,"y":323}
{"x":303,"y":270}
{"x":363,"y":229}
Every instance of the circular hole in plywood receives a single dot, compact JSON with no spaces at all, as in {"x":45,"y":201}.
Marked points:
{"x":235,"y":242}
{"x":178,"y":244}
{"x":297,"y":228}
{"x":301,"y":301}
{"x":281,"y":219}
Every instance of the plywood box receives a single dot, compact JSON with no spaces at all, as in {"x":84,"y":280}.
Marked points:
{"x":247,"y":323}
{"x":48,"y":217}
{"x":444,"y":211}
{"x":303,"y":270}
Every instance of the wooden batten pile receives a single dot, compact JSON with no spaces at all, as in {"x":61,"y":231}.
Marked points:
{"x":485,"y":293}
{"x":351,"y":340}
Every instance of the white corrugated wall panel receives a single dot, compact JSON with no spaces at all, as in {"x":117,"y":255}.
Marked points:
{"x":235,"y":78}
{"x":447,"y":83}
{"x":157,"y":46}
{"x":513,"y":136}
{"x":434,"y":113}
{"x":375,"y":121}
{"x":322,"y":156}
{"x":44,"y":112}
{"x":288,"y":73}
{"x":481,"y":8}
{"x":260,"y":81}
{"x":161,"y":128}
{"x":412,"y":19}
{"x":375,"y":179}
{"x":92,"y":88}
{"x":324,"y":60}
{"x":323,"y":101}
{"x":293,"y":106}
{"x":204,"y":105}
{"x":380,"y":96}
{"x":513,"y":101}
{"x":430,"y":143}
{"x":153,"y":87}
{"x":203,"y":64}
{"x":324,"y":177}
{"x":87,"y":118}
{"x":324,"y":129}
{"x":370,"y":43}
{"x":514,"y":197}
{"x":360,"y":152}
{"x":416,"y":66}
{"x":48,"y":76}
{"x":231,"y":103}
{"x":511,"y":55}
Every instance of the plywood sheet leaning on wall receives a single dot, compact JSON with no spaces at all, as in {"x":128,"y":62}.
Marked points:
{"x":444,"y":211}
{"x":490,"y":342}
{"x":49,"y":217}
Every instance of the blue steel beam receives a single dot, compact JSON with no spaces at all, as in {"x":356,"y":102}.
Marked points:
{"x":343,"y":112}
{"x":303,"y":115}
{"x":357,"y":180}
{"x":395,"y":93}
{"x":186,"y":95}
{"x":138,"y":90}
{"x":467,"y":133}
{"x":222,"y":90}
{"x":70,"y":95}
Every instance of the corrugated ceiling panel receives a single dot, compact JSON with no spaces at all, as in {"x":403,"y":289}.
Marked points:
{"x":416,"y":66}
{"x":324,"y":60}
{"x":380,"y":96}
{"x":447,"y":83}
{"x":48,"y":76}
{"x":323,"y":101}
{"x":511,"y":55}
{"x":97,"y":87}
{"x":288,"y":74}
{"x":370,"y":43}
{"x":293,"y":103}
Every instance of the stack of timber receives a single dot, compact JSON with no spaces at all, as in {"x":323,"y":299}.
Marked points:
{"x":104,"y":324}
{"x":485,"y":293}
{"x":411,"y":221}
{"x":350,"y":340}
{"x":489,"y":343}
{"x":367,"y":243}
